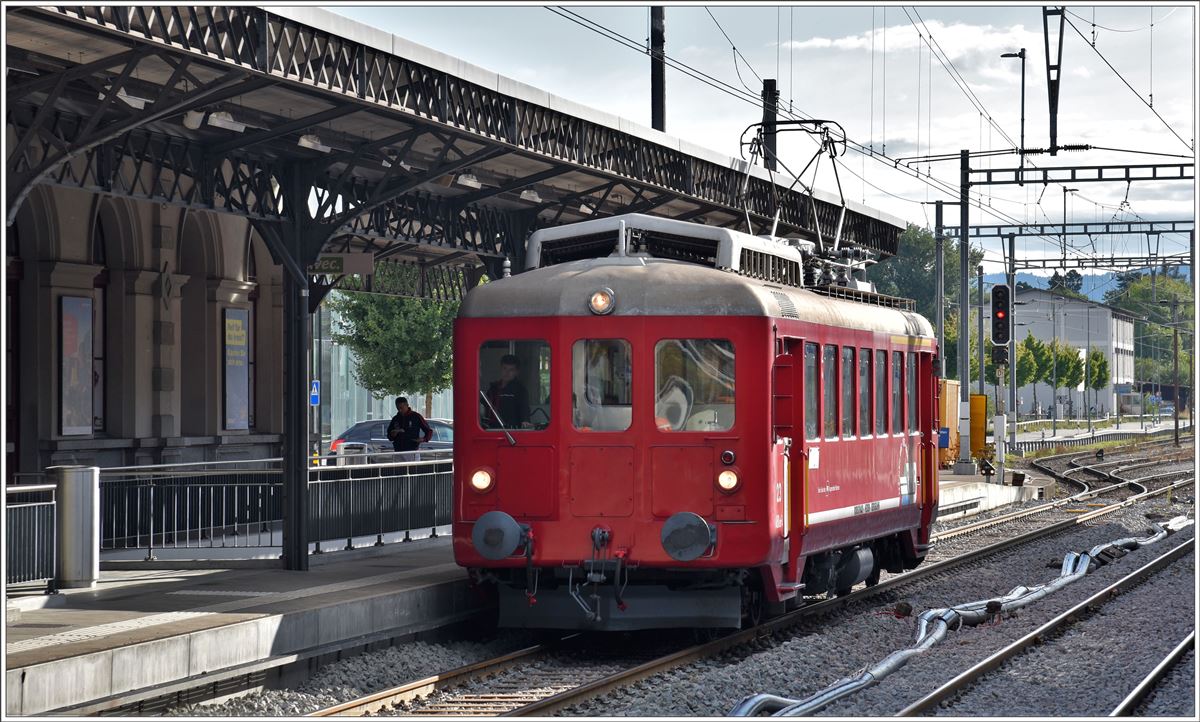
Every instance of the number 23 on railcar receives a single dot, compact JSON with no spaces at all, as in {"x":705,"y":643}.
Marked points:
{"x":664,"y":424}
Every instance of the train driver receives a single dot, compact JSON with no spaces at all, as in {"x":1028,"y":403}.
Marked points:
{"x":508,"y":397}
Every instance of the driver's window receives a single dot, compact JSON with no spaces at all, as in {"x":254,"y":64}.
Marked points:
{"x":601,"y":385}
{"x":694,"y":385}
{"x":514,"y":385}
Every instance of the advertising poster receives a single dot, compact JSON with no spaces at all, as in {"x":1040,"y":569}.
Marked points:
{"x":237,"y":369}
{"x":75,"y":368}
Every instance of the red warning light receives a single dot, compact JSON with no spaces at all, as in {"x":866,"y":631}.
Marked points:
{"x":999,"y":314}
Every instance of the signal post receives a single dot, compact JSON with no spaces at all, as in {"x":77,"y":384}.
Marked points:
{"x":1001,"y":341}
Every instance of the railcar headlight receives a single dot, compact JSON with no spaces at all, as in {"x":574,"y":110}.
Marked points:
{"x":728,"y":481}
{"x":602,"y":301}
{"x":482,"y":480}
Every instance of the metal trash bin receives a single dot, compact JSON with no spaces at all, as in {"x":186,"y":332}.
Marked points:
{"x":352,"y":453}
{"x":77,"y":526}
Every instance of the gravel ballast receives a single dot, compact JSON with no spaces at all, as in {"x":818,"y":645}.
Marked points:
{"x":357,"y":676}
{"x":845,"y":642}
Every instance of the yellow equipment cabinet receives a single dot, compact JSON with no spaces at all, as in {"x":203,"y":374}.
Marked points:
{"x":948,"y":421}
{"x":978,"y":424}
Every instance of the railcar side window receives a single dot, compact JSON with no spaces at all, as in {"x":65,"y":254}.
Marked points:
{"x":864,"y":391}
{"x":911,"y":376}
{"x":847,"y":391}
{"x":829,"y":385}
{"x":694,"y":384}
{"x":897,"y":381}
{"x":880,"y":393}
{"x":810,"y":391}
{"x":514,"y":385}
{"x":601,"y":378}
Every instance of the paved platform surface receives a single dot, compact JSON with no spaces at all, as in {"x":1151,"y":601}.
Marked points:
{"x":137,"y":629}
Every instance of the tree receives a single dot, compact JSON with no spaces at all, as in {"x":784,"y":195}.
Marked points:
{"x":1098,"y":373}
{"x":909,"y":274}
{"x":1139,"y":295}
{"x":401,"y":344}
{"x":1098,"y":376}
{"x":1070,"y":371}
{"x":950,"y":351}
{"x":1043,"y":361}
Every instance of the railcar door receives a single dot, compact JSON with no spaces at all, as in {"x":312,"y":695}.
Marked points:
{"x":791,"y":420}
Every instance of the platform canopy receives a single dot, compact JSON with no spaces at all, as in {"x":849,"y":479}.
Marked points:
{"x":355,"y":139}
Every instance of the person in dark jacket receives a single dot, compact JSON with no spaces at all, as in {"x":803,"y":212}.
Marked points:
{"x":405,"y":429}
{"x":508,"y":397}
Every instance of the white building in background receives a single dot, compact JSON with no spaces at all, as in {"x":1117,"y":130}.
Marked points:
{"x":1082,"y":324}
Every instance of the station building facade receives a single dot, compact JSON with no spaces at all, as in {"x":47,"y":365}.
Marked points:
{"x":142,"y":333}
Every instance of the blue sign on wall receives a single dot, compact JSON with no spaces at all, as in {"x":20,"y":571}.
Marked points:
{"x":944,"y":438}
{"x":314,"y":394}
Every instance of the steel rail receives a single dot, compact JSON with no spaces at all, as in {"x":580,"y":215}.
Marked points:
{"x":419,"y":688}
{"x":1055,"y":505}
{"x":588,"y":690}
{"x":1085,"y":608}
{"x":1143,"y":689}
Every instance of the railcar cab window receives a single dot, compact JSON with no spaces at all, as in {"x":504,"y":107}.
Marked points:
{"x":864,"y":392}
{"x":880,"y":393}
{"x":514,"y":385}
{"x":897,"y":380}
{"x":810,"y":391}
{"x":601,"y":378}
{"x":694,"y":385}
{"x":847,"y":392}
{"x":910,"y":375}
{"x":829,"y":386}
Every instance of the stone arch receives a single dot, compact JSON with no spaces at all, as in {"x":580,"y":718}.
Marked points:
{"x":37,"y":226}
{"x":199,"y":348}
{"x":117,"y":220}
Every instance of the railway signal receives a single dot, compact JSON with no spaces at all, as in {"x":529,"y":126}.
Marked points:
{"x":1001,"y":312}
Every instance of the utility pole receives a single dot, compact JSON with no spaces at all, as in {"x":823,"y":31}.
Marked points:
{"x":1174,"y":303}
{"x":1021,"y":150}
{"x":770,"y":100}
{"x":1064,"y":233}
{"x":979,"y":272}
{"x":1012,"y":337}
{"x":1087,"y":371}
{"x":658,"y":69}
{"x":1054,"y":375}
{"x":964,"y":464}
{"x":939,"y":240}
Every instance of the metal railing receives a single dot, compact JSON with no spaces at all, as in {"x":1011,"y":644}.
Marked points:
{"x":205,"y":504}
{"x":239,"y":504}
{"x":380,"y":498}
{"x":29,"y":535}
{"x":1023,"y":447}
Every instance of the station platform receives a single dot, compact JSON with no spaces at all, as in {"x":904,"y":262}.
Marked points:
{"x":149,"y":630}
{"x":960,"y":495}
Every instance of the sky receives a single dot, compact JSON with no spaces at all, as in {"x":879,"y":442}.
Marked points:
{"x":870,"y":68}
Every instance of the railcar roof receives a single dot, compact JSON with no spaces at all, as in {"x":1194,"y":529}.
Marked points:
{"x":662,"y":287}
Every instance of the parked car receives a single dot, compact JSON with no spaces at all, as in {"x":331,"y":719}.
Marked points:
{"x":373,"y":433}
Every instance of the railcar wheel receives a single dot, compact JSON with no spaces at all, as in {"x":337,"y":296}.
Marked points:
{"x":753,"y":606}
{"x":873,"y":577}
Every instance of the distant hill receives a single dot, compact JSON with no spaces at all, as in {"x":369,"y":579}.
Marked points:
{"x":1094,"y":287}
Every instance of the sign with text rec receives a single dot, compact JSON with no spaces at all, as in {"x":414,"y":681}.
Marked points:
{"x":340,"y":264}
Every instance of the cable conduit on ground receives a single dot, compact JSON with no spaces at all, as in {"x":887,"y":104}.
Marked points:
{"x":933,"y":625}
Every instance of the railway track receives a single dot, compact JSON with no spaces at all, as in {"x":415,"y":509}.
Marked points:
{"x":544,"y":689}
{"x":1133,"y":701}
{"x":1119,"y":487}
{"x":1056,"y":626}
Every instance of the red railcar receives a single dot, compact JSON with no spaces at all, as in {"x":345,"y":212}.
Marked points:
{"x":659,"y":426}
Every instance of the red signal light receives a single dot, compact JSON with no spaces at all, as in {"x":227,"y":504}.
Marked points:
{"x":999,"y":314}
